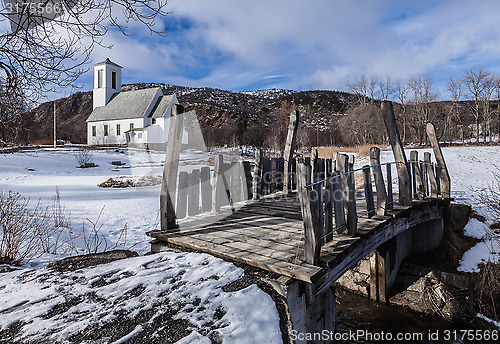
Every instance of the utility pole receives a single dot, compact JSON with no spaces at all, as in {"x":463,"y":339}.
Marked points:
{"x":55,"y":139}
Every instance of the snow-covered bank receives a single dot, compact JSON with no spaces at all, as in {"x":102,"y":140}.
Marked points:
{"x":160,"y":298}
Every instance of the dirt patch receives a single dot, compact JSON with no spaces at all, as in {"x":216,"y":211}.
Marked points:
{"x":84,"y":261}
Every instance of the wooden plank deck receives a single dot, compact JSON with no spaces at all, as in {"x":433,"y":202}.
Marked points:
{"x":269,"y":234}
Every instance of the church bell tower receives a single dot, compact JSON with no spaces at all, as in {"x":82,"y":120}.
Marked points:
{"x":107,"y":81}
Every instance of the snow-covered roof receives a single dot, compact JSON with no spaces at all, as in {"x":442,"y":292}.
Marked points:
{"x":125,"y":105}
{"x":161,"y":106}
{"x":108,"y":61}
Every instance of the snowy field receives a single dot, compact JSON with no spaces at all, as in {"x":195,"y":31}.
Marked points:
{"x":30,"y":295}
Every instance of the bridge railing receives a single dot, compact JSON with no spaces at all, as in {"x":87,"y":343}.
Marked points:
{"x":333,"y":195}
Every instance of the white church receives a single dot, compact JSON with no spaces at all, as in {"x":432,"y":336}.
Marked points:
{"x":137,"y":118}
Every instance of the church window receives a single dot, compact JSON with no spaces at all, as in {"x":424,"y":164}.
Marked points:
{"x":118,"y":131}
{"x":139,"y":135}
{"x":131,"y":126}
{"x":105,"y":130}
{"x":94,"y":133}
{"x":99,"y":79}
{"x":113,"y":80}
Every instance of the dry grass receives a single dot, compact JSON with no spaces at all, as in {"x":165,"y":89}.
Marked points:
{"x":364,"y":150}
{"x":487,"y":290}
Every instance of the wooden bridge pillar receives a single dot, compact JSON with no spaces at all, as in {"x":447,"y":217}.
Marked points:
{"x":310,"y":320}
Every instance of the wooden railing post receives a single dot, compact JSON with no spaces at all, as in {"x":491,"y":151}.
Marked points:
{"x":338,"y":202}
{"x":206,"y":189}
{"x":399,"y":153}
{"x":419,"y":186}
{"x":182,"y":194}
{"x":378,"y":177}
{"x":248,"y":179}
{"x":194,"y":194}
{"x":217,"y":183}
{"x":257,"y":174}
{"x":169,"y":180}
{"x":390,"y":199}
{"x":293,"y":126}
{"x":348,"y":188}
{"x":431,"y":174}
{"x":370,"y":207}
{"x":438,"y":154}
{"x":312,"y":230}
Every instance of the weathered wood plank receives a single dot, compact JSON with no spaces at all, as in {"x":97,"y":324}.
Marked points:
{"x":438,"y":155}
{"x":248,"y":179}
{"x":293,"y":126}
{"x":169,"y":180}
{"x":390,"y":197}
{"x":431,"y":174}
{"x":419,"y":186}
{"x":309,"y":215}
{"x":182,"y":194}
{"x":206,"y":189}
{"x":194,"y":193}
{"x":257,"y":175}
{"x":217,"y":184}
{"x":379,"y":180}
{"x":338,"y":202}
{"x":399,"y":153}
{"x":367,"y":180}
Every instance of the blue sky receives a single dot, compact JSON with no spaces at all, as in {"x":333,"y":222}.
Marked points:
{"x":302,"y":45}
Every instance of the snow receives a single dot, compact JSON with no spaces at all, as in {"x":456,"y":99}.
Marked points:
{"x":187,"y":284}
{"x":496,"y":323}
{"x":476,"y":229}
{"x":175,"y":278}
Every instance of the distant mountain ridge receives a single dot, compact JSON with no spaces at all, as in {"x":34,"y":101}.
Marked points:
{"x":216,"y":109}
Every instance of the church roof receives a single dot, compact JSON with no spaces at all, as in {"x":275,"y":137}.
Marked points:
{"x":125,"y":105}
{"x":161,"y":106}
{"x":107,"y":61}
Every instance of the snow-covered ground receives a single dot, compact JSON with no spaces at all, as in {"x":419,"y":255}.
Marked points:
{"x":37,"y":174}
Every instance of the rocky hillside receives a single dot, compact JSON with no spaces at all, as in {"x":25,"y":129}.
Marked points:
{"x":225,"y":116}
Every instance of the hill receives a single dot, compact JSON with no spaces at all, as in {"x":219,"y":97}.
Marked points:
{"x":225,"y":116}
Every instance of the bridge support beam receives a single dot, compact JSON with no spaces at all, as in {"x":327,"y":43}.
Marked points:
{"x":310,"y":319}
{"x":386,"y":260}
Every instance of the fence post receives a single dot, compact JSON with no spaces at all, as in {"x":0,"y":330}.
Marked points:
{"x":312,"y":247}
{"x":338,"y":203}
{"x":182,"y":194}
{"x":419,"y":186}
{"x":378,"y":177}
{"x":194,"y":195}
{"x":390,"y":199}
{"x":206,"y":189}
{"x":293,"y":126}
{"x":217,"y":183}
{"x":399,"y":153}
{"x":274,"y":174}
{"x":431,"y":174}
{"x":248,"y":180}
{"x":169,"y":180}
{"x":438,"y":154}
{"x":257,"y":174}
{"x":370,"y":207}
{"x":236,"y":175}
{"x":348,"y":192}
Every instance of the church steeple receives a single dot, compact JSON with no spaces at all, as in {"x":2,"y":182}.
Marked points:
{"x":107,"y":81}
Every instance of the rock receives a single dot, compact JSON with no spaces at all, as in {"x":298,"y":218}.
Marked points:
{"x":455,"y":280}
{"x":440,"y":293}
{"x":413,"y":300}
{"x":418,"y":286}
{"x":433,"y":275}
{"x":83,"y":261}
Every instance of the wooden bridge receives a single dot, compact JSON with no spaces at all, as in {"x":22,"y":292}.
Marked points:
{"x":309,"y":219}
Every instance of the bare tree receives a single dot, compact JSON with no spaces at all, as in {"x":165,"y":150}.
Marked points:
{"x":423,"y":94}
{"x":455,"y":116}
{"x":401,"y":93}
{"x":45,"y":50}
{"x":360,"y":88}
{"x":386,"y":88}
{"x":477,"y":82}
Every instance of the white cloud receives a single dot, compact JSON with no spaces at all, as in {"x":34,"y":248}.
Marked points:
{"x":315,"y":44}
